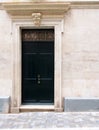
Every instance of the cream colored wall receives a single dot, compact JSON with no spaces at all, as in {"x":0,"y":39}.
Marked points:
{"x":5,"y":55}
{"x":80,"y":54}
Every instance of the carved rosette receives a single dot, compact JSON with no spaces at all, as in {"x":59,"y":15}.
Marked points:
{"x":36,"y":18}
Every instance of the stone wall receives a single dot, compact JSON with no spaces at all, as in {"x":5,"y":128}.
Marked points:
{"x":5,"y":55}
{"x":80,"y":54}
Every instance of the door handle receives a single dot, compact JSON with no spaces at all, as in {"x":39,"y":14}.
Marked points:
{"x":38,"y":79}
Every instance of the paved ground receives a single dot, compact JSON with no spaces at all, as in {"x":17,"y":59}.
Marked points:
{"x":50,"y":120}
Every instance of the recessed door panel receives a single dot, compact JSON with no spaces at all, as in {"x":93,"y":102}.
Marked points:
{"x":38,"y":71}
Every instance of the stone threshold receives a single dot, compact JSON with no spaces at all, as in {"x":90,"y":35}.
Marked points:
{"x":35,"y":108}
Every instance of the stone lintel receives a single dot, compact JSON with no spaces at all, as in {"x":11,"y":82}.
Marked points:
{"x":18,"y":8}
{"x":28,"y":8}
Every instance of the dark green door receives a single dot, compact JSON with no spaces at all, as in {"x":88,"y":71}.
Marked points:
{"x":37,"y":68}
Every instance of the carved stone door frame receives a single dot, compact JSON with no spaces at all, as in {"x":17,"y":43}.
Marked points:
{"x":16,"y":91}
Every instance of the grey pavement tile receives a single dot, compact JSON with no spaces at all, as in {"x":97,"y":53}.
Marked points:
{"x":49,"y":120}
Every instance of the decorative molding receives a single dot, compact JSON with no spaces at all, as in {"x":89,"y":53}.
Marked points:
{"x":36,"y":18}
{"x":18,"y":8}
{"x":38,"y":35}
{"x":85,"y":5}
{"x":33,"y":9}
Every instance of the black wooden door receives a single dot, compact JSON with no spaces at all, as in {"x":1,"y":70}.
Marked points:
{"x":38,"y":71}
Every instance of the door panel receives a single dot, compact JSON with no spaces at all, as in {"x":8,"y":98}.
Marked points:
{"x":30,"y":47}
{"x":30,"y":91}
{"x":30,"y":66}
{"x":45,"y":47}
{"x":37,"y":72}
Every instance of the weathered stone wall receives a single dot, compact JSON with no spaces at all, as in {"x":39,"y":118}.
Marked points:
{"x":80,"y":54}
{"x":5,"y":55}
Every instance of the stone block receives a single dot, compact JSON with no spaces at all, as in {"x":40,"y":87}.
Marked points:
{"x":4,"y":104}
{"x":81,"y":104}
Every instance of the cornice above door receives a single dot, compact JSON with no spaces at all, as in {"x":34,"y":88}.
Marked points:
{"x":27,"y":9}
